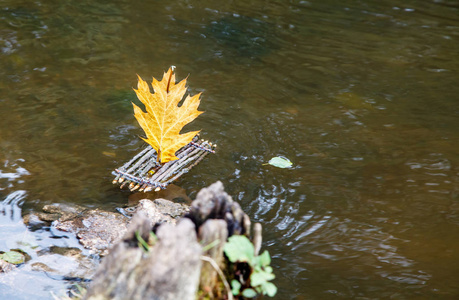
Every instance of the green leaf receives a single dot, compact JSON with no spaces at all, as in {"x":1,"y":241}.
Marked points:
{"x":153,"y":238}
{"x":210,"y":245}
{"x":13,"y":257}
{"x":264,"y":259}
{"x":142,"y":242}
{"x":280,"y":162}
{"x":269,"y":289}
{"x":249,"y":293}
{"x":239,"y":249}
{"x":259,"y":278}
{"x":235,"y":287}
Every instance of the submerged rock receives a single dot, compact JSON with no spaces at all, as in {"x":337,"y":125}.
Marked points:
{"x":6,"y":266}
{"x":97,"y":229}
{"x":60,"y":211}
{"x":65,"y":263}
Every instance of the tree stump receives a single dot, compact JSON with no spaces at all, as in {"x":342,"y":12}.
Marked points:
{"x":169,"y":270}
{"x":214,"y":203}
{"x":215,"y":234}
{"x":172,"y":268}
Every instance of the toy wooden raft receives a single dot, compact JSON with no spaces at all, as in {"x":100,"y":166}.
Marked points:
{"x":143,"y":172}
{"x":170,"y":153}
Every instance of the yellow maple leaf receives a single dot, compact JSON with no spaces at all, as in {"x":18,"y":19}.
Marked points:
{"x":164,"y":118}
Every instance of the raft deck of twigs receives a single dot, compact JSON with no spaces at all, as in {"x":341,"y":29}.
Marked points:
{"x":144,"y":173}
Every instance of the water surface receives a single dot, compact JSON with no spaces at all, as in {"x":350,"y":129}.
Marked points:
{"x":360,"y":96}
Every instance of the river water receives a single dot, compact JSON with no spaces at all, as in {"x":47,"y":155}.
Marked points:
{"x":362,"y":97}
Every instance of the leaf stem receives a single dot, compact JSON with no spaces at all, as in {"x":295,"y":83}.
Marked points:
{"x":169,"y":80}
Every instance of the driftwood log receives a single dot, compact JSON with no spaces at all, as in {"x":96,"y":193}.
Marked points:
{"x":183,"y":259}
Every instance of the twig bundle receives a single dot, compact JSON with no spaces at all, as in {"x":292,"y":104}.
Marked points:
{"x":143,"y":172}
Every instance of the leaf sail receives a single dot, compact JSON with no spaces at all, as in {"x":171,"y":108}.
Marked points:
{"x":164,"y":118}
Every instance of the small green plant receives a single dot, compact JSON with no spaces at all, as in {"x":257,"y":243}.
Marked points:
{"x":143,"y":244}
{"x":239,"y":249}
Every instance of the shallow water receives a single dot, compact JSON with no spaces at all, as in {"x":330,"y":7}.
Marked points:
{"x":360,"y":96}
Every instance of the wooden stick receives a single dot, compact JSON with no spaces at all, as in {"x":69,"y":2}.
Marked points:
{"x":177,"y":165}
{"x":141,"y":160}
{"x":135,"y":171}
{"x":141,"y":153}
{"x":222,"y":276}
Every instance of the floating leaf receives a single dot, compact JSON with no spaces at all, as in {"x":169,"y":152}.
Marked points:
{"x":164,"y":118}
{"x":13,"y":257}
{"x":280,"y":162}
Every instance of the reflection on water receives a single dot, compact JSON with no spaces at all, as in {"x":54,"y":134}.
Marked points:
{"x":11,"y":173}
{"x":41,"y":247}
{"x":361,"y":97}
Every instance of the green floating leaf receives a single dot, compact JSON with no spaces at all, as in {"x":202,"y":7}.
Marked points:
{"x":235,"y":287}
{"x":13,"y":257}
{"x":239,"y":249}
{"x":280,"y":162}
{"x":249,"y":293}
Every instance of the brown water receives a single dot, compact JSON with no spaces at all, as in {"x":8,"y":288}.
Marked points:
{"x":361,"y":96}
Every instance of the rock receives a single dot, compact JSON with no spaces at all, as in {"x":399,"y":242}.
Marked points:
{"x":174,"y":210}
{"x":161,"y":210}
{"x":96,"y":230}
{"x":53,"y":212}
{"x":60,"y":211}
{"x":42,"y":267}
{"x":172,"y":192}
{"x":33,"y":221}
{"x":6,"y":266}
{"x":158,"y":211}
{"x":64,"y":263}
